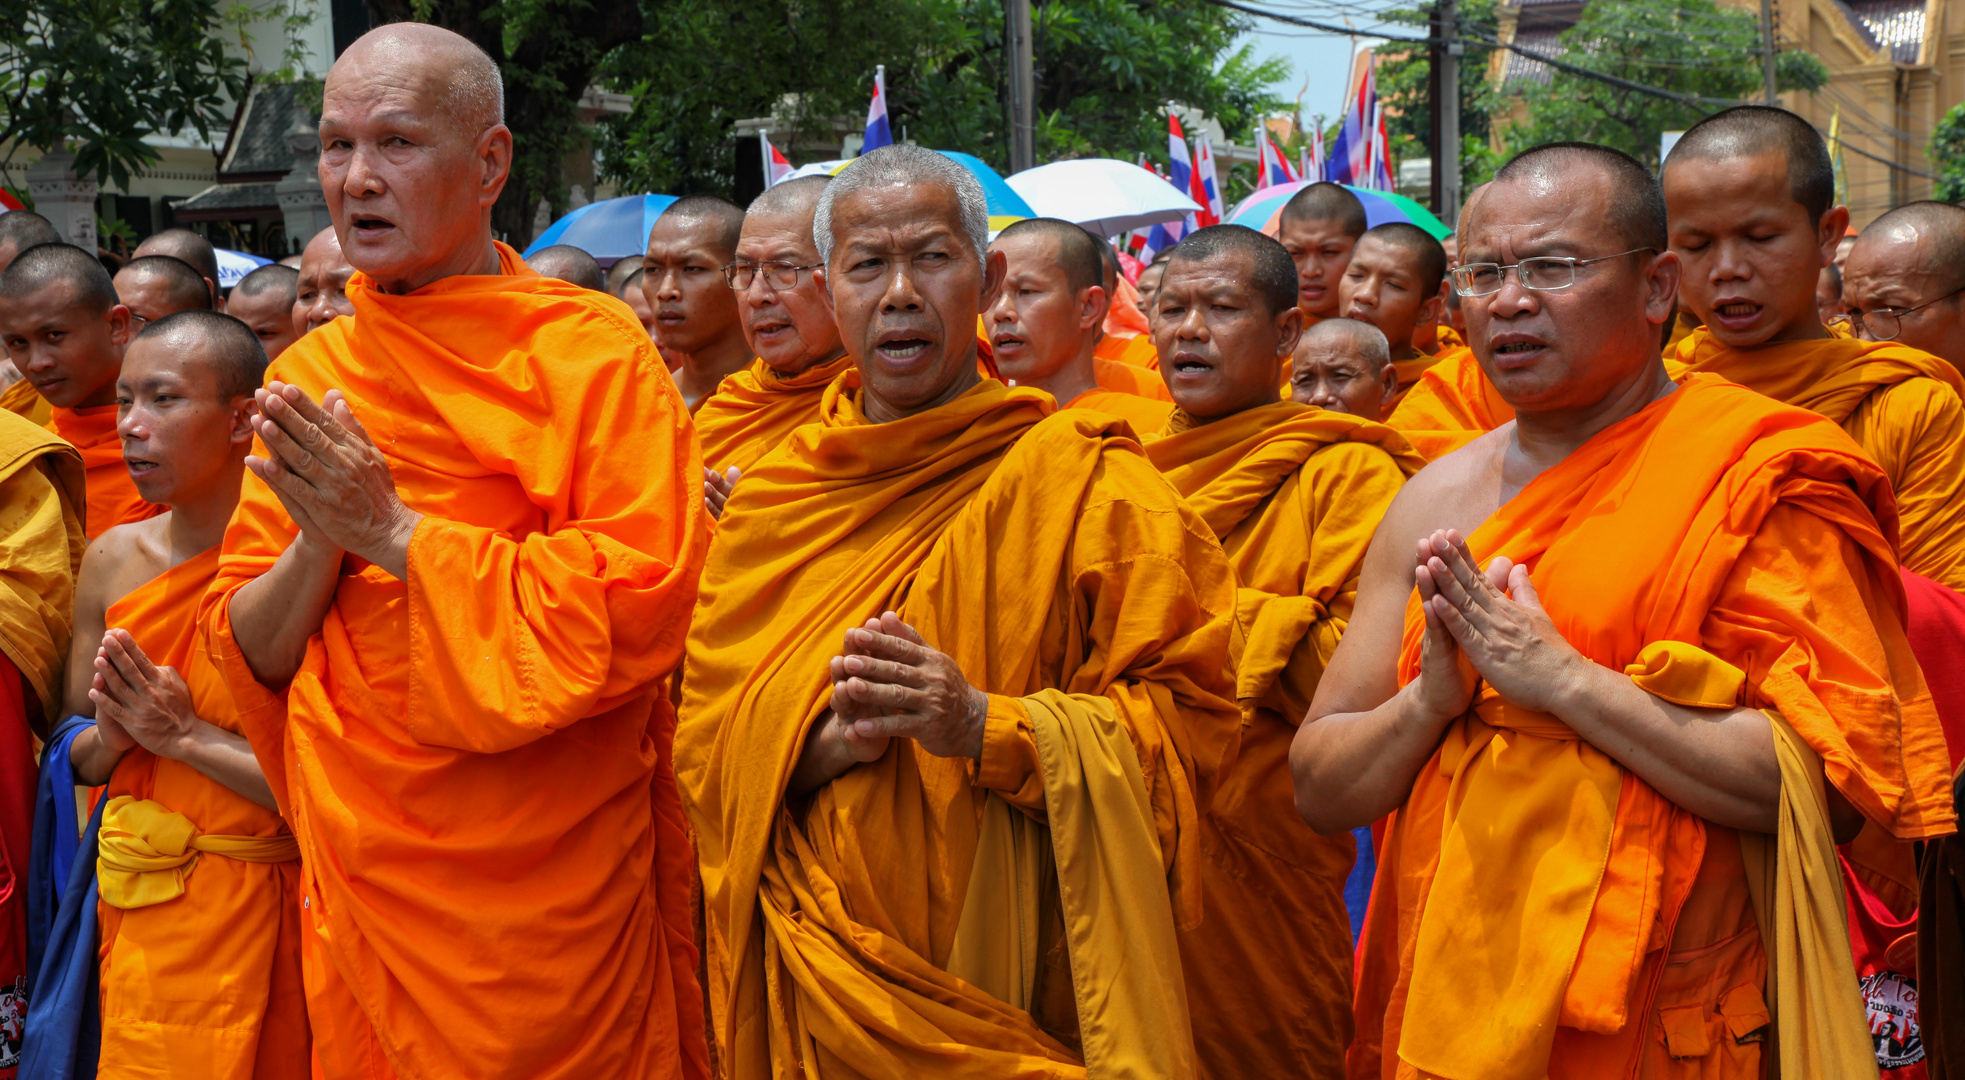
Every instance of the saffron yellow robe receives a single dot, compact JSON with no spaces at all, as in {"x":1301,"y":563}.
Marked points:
{"x":42,"y":494}
{"x":1714,"y":522}
{"x":1146,"y":415}
{"x":1294,"y":493}
{"x":476,"y":762}
{"x":1451,"y":405}
{"x":1133,"y":351}
{"x":22,"y":399}
{"x":1126,"y":379}
{"x":1409,"y":373}
{"x":1041,"y":551}
{"x":1901,"y":405}
{"x":113,"y":498}
{"x":757,"y":408}
{"x":208,"y":983}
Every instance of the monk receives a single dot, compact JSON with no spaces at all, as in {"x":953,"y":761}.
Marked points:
{"x":166,"y":747}
{"x":789,"y":327}
{"x":1044,"y":327}
{"x":451,"y":643}
{"x":1828,"y":294}
{"x":1149,"y":283}
{"x":20,"y":230}
{"x":158,"y":285}
{"x":952,"y":642}
{"x":264,"y":300}
{"x":1318,"y":227}
{"x":1343,"y":365}
{"x":1654,"y":621}
{"x":1906,"y":277}
{"x":190,"y":248}
{"x":569,"y":264}
{"x":1750,"y":191}
{"x":65,"y":329}
{"x":637,"y":301}
{"x":1293,"y":494}
{"x":321,"y":293}
{"x":622,"y":274}
{"x":1393,"y":282}
{"x":696,"y":322}
{"x":1124,"y":359}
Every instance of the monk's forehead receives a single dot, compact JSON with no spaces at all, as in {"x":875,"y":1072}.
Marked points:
{"x":689,"y":231}
{"x":1561,"y":205}
{"x":184,"y":353}
{"x":923,"y":206}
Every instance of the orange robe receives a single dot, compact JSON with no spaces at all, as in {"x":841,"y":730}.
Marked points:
{"x":1294,"y":493}
{"x":1127,"y":379}
{"x":757,"y":408}
{"x":1409,"y":373}
{"x":1901,"y":405}
{"x":1134,"y":351}
{"x":22,"y":399}
{"x":1146,"y":415}
{"x":476,"y":761}
{"x":209,"y":982}
{"x":113,"y":499}
{"x":1450,"y":406}
{"x":1715,"y":520}
{"x":1040,"y":550}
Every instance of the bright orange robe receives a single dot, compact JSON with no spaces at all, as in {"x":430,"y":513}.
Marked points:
{"x":757,"y":408}
{"x":1294,"y":493}
{"x":113,"y":499}
{"x":1409,"y":373}
{"x":1135,"y":351}
{"x":1901,"y":405}
{"x":208,"y":982}
{"x":1450,"y":406}
{"x":1716,"y":518}
{"x":1041,"y":551}
{"x":476,"y":761}
{"x":1127,"y":379}
{"x":1146,"y":415}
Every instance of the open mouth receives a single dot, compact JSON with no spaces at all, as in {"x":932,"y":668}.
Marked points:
{"x":1006,"y":341}
{"x":903,"y":349}
{"x":1190,"y":365}
{"x":1736,"y":311}
{"x":138,"y":466}
{"x":368,"y":226}
{"x":769,"y":329}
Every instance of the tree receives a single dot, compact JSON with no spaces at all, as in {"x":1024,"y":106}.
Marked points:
{"x":1947,"y":154}
{"x":1691,"y":47}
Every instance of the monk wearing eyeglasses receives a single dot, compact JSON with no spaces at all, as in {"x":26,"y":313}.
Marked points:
{"x":1905,"y":280}
{"x":1750,"y":198}
{"x":696,"y":324}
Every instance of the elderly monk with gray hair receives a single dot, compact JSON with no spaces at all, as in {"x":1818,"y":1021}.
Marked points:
{"x":496,"y":874}
{"x":956,"y":697}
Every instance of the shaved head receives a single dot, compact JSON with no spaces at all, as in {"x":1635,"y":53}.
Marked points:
{"x":724,"y":219}
{"x":1078,"y":250}
{"x":621,"y":273}
{"x":60,"y":264}
{"x":165,"y":285}
{"x":1906,"y":273}
{"x":472,"y":93}
{"x":1753,"y":130}
{"x":569,"y":264}
{"x":1428,"y":256}
{"x":902,"y":165}
{"x":793,"y":196}
{"x":231,"y":346}
{"x":1637,"y":204}
{"x":1939,"y":225}
{"x":1354,"y":337}
{"x":273,"y":277}
{"x":1272,"y":273}
{"x":23,"y":229}
{"x":185,"y":246}
{"x":1325,"y":201}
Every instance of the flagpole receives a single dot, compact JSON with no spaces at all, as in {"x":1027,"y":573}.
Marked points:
{"x":764,"y":153}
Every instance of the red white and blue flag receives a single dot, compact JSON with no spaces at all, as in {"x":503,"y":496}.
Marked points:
{"x":1205,"y":187}
{"x":1273,"y":168}
{"x":1351,"y":157}
{"x":1310,"y":159}
{"x":776,"y":168}
{"x":877,"y":134}
{"x":1180,"y":172}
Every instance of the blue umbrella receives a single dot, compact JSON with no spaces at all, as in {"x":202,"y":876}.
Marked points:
{"x":609,"y":229}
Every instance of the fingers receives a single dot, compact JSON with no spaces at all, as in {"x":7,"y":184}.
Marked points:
{"x":1451,"y":555}
{"x":883,"y":698}
{"x":144,"y":668}
{"x":1497,"y":573}
{"x":882,"y":671}
{"x":887,"y":638}
{"x":337,"y":406}
{"x":892,"y":626}
{"x":1522,"y":589}
{"x":118,"y":660}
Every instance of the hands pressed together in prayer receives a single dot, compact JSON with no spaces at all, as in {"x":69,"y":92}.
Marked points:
{"x":889,"y":683}
{"x":331,"y":478}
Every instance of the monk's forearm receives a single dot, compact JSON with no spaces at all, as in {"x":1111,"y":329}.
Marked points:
{"x":1716,"y":763}
{"x":276,"y":614}
{"x":824,"y":758}
{"x":90,"y":760}
{"x":1353,"y":768}
{"x":225,"y":758}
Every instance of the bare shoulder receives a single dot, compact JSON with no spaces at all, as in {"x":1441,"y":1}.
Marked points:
{"x":1458,"y":491}
{"x":119,"y":561}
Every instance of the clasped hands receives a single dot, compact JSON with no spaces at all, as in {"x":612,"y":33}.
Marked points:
{"x":331,"y":478}
{"x":138,"y":703}
{"x":886,"y":684}
{"x":1489,"y":626}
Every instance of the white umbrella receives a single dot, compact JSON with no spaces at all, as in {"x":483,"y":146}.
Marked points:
{"x":817,"y":168}
{"x":1107,"y":197}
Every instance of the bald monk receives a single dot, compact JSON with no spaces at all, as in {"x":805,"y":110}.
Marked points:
{"x":1125,"y":335}
{"x":1611,"y":589}
{"x":569,"y":264}
{"x":1044,"y":327}
{"x":901,"y":744}
{"x":20,"y":230}
{"x":697,"y":326}
{"x":1318,"y":227}
{"x":1750,"y":194}
{"x":637,"y":301}
{"x":1293,"y":493}
{"x":789,"y":326}
{"x":190,"y":248}
{"x":291,"y":261}
{"x":264,"y":300}
{"x":166,"y":743}
{"x":478,"y":778}
{"x":321,"y":292}
{"x":158,"y":285}
{"x":1148,"y":284}
{"x":1828,"y":294}
{"x":65,"y":329}
{"x":1343,"y":365}
{"x":1905,"y":277}
{"x":1393,"y":282}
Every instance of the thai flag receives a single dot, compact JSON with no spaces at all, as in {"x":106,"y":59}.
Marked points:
{"x":776,"y":168}
{"x":1312,"y":159}
{"x":1381,"y":157}
{"x":1204,"y":187}
{"x":1273,"y":168}
{"x":1180,"y":170}
{"x":1350,"y":156}
{"x":877,"y":134}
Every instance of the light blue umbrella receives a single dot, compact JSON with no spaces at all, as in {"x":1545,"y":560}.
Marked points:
{"x":609,"y":229}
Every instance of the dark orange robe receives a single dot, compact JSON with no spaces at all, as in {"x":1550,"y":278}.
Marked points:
{"x":1450,"y":406}
{"x":756,"y":409}
{"x":476,"y":762}
{"x":113,"y":499}
{"x":1133,"y":351}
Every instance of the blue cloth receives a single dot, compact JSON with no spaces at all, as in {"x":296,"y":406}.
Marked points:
{"x":1357,"y":887}
{"x":64,"y":1020}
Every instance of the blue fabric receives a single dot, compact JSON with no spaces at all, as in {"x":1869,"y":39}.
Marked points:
{"x":1357,"y":887}
{"x":56,"y":837}
{"x":64,"y":1009}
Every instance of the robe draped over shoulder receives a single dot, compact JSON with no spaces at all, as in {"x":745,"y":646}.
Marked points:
{"x":1450,"y":406}
{"x":758,"y":408}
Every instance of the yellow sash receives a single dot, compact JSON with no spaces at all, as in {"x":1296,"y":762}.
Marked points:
{"x":148,"y":849}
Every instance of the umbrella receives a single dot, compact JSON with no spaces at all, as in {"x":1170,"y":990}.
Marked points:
{"x":818,"y":168}
{"x":233,"y":265}
{"x":1259,"y":210}
{"x":1005,"y":205}
{"x":609,"y":229}
{"x":1107,"y":197}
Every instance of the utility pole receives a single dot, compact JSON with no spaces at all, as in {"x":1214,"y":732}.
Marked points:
{"x":1446,"y":105}
{"x":1023,"y":85}
{"x":1767,"y":37}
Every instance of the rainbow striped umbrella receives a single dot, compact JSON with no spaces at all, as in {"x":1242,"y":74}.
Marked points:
{"x":1259,"y":211}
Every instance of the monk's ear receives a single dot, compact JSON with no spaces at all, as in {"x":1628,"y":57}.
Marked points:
{"x":494,"y":155}
{"x":824,"y":283}
{"x":1432,"y":312}
{"x":244,"y":411}
{"x":122,"y":329}
{"x":1388,"y":379}
{"x":1833,"y":225}
{"x":1093,"y":304}
{"x":1661,"y":279}
{"x":1289,"y":330}
{"x":996,"y":267}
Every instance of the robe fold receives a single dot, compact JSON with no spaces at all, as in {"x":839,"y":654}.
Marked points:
{"x":476,"y":762}
{"x":757,"y":408}
{"x":1541,"y":911}
{"x":208,"y":982}
{"x":1902,"y":406}
{"x":113,"y":499}
{"x":1450,"y":406}
{"x":1146,"y":415}
{"x":884,"y":926}
{"x":1409,"y":375}
{"x":1294,"y":493}
{"x":1126,"y":379}
{"x":1132,"y":351}
{"x":22,"y":399}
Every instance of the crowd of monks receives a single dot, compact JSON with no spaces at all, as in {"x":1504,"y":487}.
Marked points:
{"x":846,"y":644}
